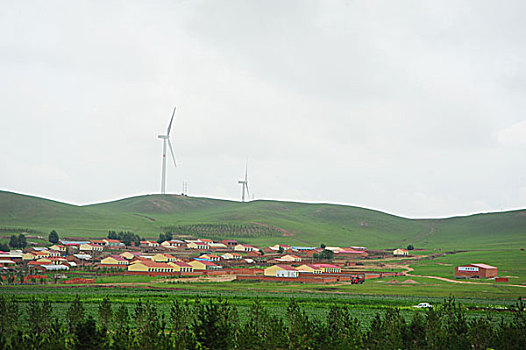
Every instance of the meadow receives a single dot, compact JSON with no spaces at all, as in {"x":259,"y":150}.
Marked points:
{"x":262,"y":222}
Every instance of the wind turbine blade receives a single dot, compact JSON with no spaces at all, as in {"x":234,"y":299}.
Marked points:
{"x":248,"y":193}
{"x":172,"y":152}
{"x":170,"y":125}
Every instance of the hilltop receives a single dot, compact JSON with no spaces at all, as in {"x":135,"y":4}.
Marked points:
{"x":260,"y":222}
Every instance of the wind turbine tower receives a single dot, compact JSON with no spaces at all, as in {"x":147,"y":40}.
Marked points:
{"x":166,"y":140}
{"x":244,"y":185}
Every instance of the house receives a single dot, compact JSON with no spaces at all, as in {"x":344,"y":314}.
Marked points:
{"x":231,"y":256}
{"x":276,"y":248}
{"x":289,"y":258}
{"x":204,"y":265}
{"x":149,"y":244}
{"x":210,"y":257}
{"x":281,"y":271}
{"x":245,"y":248}
{"x":230,"y":243}
{"x":197,"y":245}
{"x":320,"y":268}
{"x":79,"y":258}
{"x":350,"y":253}
{"x":90,"y":247}
{"x":161,"y":257}
{"x":303,"y":249}
{"x":173,"y":244}
{"x":54,"y":253}
{"x":59,"y":247}
{"x":205,"y":240}
{"x":150,"y":266}
{"x":254,"y":254}
{"x":113,"y":243}
{"x":7,"y":263}
{"x":216,"y":246}
{"x":309,"y":268}
{"x":476,"y":271}
{"x":57,"y":260}
{"x":29,"y":257}
{"x":48,"y":268}
{"x":114,"y":261}
{"x":180,"y":266}
{"x":400,"y":252}
{"x":98,"y":242}
{"x":329,"y":268}
{"x":129,"y":255}
{"x":42,"y":261}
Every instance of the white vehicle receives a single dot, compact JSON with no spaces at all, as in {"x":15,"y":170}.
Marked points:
{"x":423,"y":305}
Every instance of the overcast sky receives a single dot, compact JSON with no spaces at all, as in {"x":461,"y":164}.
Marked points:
{"x":416,"y":108}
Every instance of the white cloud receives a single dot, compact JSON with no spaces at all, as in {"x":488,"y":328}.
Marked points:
{"x":515,"y":135}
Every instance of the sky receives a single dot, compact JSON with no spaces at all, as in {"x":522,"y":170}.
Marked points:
{"x":415,"y":108}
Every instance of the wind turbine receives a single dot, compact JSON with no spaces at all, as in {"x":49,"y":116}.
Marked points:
{"x":244,"y":184}
{"x":166,"y":139}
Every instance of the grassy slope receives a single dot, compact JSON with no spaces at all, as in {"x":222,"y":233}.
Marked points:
{"x":302,"y":224}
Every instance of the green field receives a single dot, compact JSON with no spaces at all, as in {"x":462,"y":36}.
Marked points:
{"x":242,"y":295}
{"x":261,"y":222}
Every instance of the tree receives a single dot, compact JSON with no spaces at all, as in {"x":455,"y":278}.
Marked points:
{"x":281,"y":250}
{"x":88,"y":336}
{"x":53,"y":237}
{"x":105,"y":312}
{"x":162,"y":238}
{"x":75,"y":314}
{"x":410,"y":247}
{"x":18,"y":241}
{"x":4,"y":247}
{"x":326,"y":254}
{"x":13,"y":241}
{"x":322,"y":246}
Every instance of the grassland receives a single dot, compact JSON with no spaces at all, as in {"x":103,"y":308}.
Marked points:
{"x":296,"y":223}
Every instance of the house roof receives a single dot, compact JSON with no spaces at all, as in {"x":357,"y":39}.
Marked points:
{"x":112,"y":240}
{"x":286,"y":267}
{"x":7,"y":262}
{"x":349,"y":251}
{"x":484,"y":266}
{"x":82,"y":256}
{"x":207,"y":263}
{"x":116,"y":257}
{"x":55,"y":267}
{"x":154,"y":264}
{"x":181,"y":264}
{"x":327,"y":266}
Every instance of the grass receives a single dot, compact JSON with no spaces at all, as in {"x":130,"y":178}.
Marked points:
{"x":510,"y":262}
{"x":364,"y":307}
{"x":298,"y":223}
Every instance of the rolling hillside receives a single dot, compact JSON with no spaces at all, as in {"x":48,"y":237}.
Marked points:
{"x":260,"y":222}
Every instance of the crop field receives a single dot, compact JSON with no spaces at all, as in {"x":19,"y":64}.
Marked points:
{"x":316,"y":304}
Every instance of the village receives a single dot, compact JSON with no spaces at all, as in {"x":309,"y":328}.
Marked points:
{"x":180,"y":258}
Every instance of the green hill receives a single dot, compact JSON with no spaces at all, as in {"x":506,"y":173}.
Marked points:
{"x":260,"y":222}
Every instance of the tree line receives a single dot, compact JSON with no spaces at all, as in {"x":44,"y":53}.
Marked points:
{"x":215,"y":324}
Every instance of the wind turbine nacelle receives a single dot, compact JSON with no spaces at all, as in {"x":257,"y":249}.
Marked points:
{"x":241,"y":182}
{"x":162,"y":136}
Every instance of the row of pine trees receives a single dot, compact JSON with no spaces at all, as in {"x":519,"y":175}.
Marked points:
{"x":215,"y":324}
